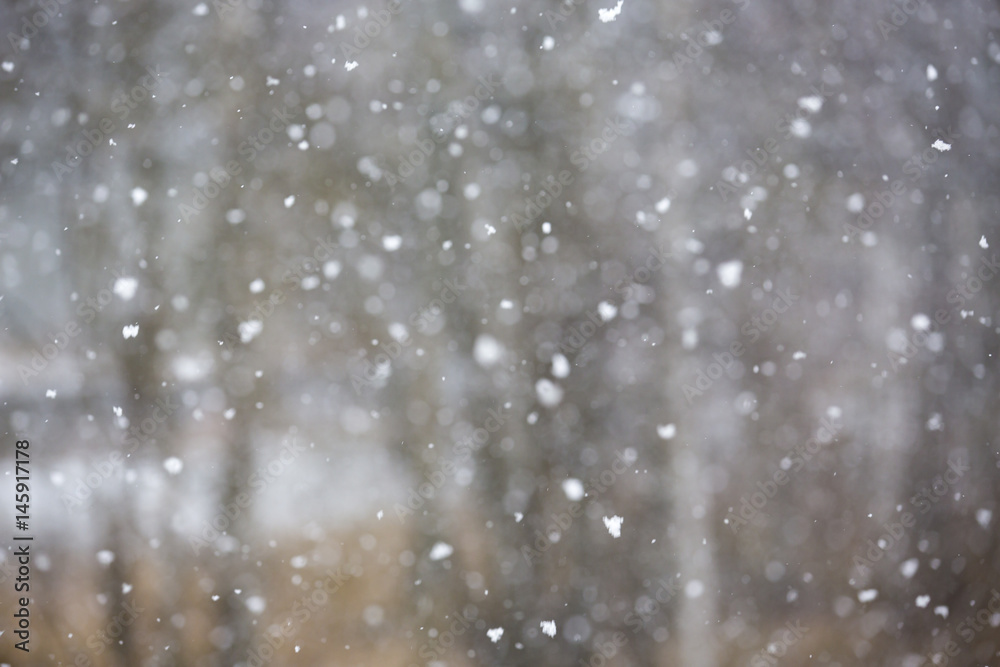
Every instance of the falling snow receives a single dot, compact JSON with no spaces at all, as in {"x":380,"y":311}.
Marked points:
{"x":573,"y":488}
{"x":607,"y":15}
{"x":614,"y":526}
{"x":125,"y":288}
{"x":440,"y":551}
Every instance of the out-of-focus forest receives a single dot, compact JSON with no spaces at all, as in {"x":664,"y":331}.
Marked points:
{"x":523,"y":333}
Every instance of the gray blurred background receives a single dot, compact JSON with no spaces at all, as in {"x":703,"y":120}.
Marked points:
{"x":286,"y":268}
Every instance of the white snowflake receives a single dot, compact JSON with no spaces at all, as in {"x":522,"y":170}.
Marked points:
{"x":607,"y":311}
{"x":549,"y":393}
{"x":909,"y":567}
{"x":573,"y":488}
{"x":256,"y":604}
{"x":666,"y":431}
{"x":125,"y":288}
{"x":560,"y":365}
{"x":250,"y":330}
{"x":730,"y":273}
{"x":440,"y":551}
{"x":173,"y":465}
{"x":608,"y":15}
{"x":487,"y":350}
{"x":867,"y":595}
